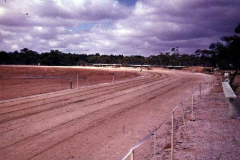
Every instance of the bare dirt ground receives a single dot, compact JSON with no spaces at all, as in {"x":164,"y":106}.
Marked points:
{"x":213,"y":134}
{"x":21,"y":81}
{"x":96,"y":122}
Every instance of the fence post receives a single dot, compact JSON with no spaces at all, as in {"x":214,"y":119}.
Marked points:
{"x":172,"y":140}
{"x":70,"y":84}
{"x":155,"y":137}
{"x":200,"y":92}
{"x":184,"y":120}
{"x":192,"y":106}
{"x":132,"y":155}
{"x":113,"y":77}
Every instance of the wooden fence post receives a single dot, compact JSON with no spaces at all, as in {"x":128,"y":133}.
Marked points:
{"x":200,"y":92}
{"x":113,"y":77}
{"x":70,"y":84}
{"x":192,"y":106}
{"x":132,"y":155}
{"x":172,"y":140}
{"x":184,"y":120}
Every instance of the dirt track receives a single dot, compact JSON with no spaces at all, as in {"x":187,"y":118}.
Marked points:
{"x":97,"y":122}
{"x":19,"y":81}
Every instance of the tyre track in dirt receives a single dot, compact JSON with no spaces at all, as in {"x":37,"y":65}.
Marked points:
{"x":5,"y":128}
{"x":72,"y":117}
{"x":98,"y":141}
{"x":99,"y":122}
{"x":67,"y":93}
{"x":11,"y":103}
{"x":113,"y":115}
{"x":57,"y":129}
{"x":86,"y":77}
{"x":33,"y":84}
{"x":32,"y":90}
{"x":66,"y":102}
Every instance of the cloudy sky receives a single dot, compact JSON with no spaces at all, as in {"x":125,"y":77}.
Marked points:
{"x":129,"y":27}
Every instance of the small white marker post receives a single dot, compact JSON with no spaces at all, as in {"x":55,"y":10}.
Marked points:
{"x":70,"y":84}
{"x":184,"y":119}
{"x":200,"y":92}
{"x":172,"y":137}
{"x":113,"y":77}
{"x":141,"y":73}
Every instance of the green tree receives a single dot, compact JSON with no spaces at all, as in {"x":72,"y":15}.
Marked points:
{"x":5,"y":58}
{"x":228,"y":52}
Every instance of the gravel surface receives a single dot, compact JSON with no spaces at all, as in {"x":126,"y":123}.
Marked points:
{"x":213,"y":134}
{"x":104,"y":121}
{"x":97,"y":122}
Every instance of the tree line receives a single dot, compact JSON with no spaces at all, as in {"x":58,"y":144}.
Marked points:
{"x":57,"y":58}
{"x":225,"y":55}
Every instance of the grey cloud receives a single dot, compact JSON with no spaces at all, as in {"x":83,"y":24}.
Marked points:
{"x":88,"y":11}
{"x":194,"y":20}
{"x":147,"y":28}
{"x":14,"y":19}
{"x":210,"y":15}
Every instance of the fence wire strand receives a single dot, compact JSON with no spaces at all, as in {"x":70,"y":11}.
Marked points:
{"x":198,"y":89}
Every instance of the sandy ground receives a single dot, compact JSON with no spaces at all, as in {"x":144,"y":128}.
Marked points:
{"x":96,"y":122}
{"x":20,"y":81}
{"x":212,"y":134}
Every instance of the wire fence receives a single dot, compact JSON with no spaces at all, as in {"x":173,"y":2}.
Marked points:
{"x":192,"y":100}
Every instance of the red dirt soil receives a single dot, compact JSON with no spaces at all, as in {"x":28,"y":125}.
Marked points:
{"x":96,"y":122}
{"x":21,"y":81}
{"x":212,"y":134}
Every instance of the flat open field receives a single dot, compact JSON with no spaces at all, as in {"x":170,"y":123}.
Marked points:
{"x":21,"y":81}
{"x":96,"y":122}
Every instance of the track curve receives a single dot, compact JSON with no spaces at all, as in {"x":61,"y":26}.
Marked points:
{"x":90,"y":122}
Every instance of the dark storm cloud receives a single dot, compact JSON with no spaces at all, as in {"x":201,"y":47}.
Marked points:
{"x":113,"y":27}
{"x":185,"y":21}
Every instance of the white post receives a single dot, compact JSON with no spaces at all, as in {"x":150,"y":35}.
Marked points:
{"x":184,"y":120}
{"x":192,"y":107}
{"x":200,"y":92}
{"x":172,"y":137}
{"x":113,"y":77}
{"x":132,"y":155}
